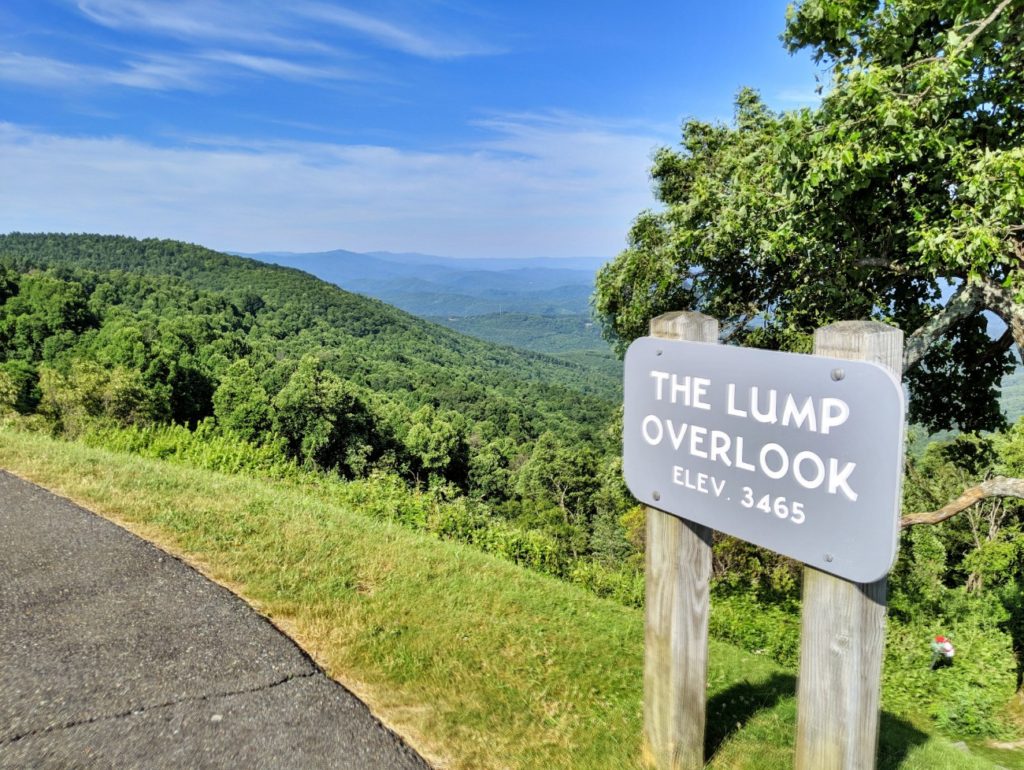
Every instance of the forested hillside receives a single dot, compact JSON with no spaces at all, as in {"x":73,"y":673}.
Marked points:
{"x":173,"y":351}
{"x":110,"y":333}
{"x":391,"y":350}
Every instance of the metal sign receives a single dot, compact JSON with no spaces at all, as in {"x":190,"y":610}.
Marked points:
{"x":800,"y":454}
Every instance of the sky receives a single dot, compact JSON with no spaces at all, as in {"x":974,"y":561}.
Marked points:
{"x":453,"y":127}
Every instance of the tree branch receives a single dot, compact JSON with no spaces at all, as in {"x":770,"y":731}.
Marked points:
{"x":997,"y":298}
{"x":1000,"y":486}
{"x":966,"y":302}
{"x":1000,"y":300}
{"x":997,"y":347}
{"x":887,"y":264}
{"x":975,"y":294}
{"x":968,"y":41}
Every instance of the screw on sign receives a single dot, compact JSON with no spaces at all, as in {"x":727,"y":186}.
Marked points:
{"x":942,"y":652}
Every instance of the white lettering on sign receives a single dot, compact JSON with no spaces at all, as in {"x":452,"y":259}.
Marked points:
{"x":773,"y":460}
{"x":791,"y":414}
{"x":699,"y":482}
{"x":799,"y":454}
{"x":834,"y":412}
{"x":682,"y":390}
{"x":766,"y":406}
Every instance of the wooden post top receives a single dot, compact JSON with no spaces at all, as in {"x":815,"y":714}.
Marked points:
{"x":862,"y":341}
{"x":685,"y":325}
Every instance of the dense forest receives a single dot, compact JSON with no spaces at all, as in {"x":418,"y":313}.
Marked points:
{"x":106,"y":331}
{"x":543,"y":333}
{"x":176,"y":351}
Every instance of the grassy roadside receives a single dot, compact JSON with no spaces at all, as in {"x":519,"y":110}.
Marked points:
{"x":478,"y":662}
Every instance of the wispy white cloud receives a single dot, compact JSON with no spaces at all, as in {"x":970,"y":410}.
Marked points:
{"x":193,"y":20}
{"x":531,"y":189}
{"x":199,"y":45}
{"x":279,"y":68}
{"x":43,"y":72}
{"x":389,"y":35}
{"x":265,"y":23}
{"x":161,"y":73}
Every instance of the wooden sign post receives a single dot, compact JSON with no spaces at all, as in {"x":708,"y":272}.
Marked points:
{"x":842,"y":636}
{"x":799,"y":454}
{"x":678,"y":573}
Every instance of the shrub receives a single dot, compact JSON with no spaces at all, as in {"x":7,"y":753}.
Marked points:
{"x":965,"y":698}
{"x":622,"y":585}
{"x":768,"y":629}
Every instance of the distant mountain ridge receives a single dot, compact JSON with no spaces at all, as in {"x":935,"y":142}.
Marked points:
{"x":590,"y":264}
{"x":430,"y":285}
{"x":367,"y":341}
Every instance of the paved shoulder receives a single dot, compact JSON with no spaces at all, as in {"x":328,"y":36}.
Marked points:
{"x":113,"y":654}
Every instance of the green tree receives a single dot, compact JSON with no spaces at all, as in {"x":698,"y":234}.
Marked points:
{"x":323,"y":420}
{"x":24,"y":379}
{"x":983,"y":545}
{"x":88,"y":392}
{"x":71,"y":401}
{"x":8,"y":283}
{"x":609,"y":539}
{"x":563,"y":478}
{"x":900,"y":197}
{"x":8,"y":393}
{"x":129,"y":400}
{"x":438,"y":442}
{"x":43,"y":307}
{"x":490,"y":474}
{"x":240,"y":403}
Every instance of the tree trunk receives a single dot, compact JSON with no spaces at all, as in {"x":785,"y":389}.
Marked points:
{"x":1000,"y":301}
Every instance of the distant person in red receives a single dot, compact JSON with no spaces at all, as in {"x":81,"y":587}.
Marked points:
{"x":942,"y":652}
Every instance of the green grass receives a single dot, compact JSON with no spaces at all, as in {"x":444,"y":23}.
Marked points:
{"x":480,"y":663}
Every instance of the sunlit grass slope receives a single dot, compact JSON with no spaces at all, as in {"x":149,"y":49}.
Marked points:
{"x":481,"y":664}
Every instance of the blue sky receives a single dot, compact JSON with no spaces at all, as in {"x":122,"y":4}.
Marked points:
{"x":461,"y":128}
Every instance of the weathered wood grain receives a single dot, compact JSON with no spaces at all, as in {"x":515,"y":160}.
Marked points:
{"x":678,"y":571}
{"x":843,"y":624}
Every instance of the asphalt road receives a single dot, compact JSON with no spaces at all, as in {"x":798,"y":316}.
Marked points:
{"x":114,"y":654}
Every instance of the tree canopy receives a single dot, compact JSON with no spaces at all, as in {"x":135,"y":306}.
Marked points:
{"x":900,"y":198}
{"x":105,"y":335}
